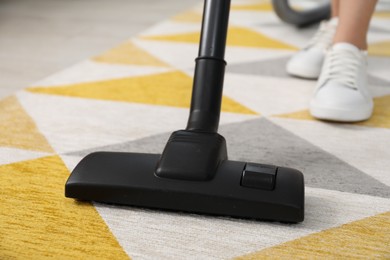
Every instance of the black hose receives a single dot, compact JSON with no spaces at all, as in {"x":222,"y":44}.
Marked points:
{"x":299,"y":18}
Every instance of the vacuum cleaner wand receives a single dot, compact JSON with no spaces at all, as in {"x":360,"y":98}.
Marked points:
{"x":210,"y":68}
{"x":193,"y":174}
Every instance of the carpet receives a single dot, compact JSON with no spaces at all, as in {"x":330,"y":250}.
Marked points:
{"x":133,"y":96}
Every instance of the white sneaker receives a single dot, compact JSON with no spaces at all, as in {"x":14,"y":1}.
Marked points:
{"x":342,"y":93}
{"x":307,"y":63}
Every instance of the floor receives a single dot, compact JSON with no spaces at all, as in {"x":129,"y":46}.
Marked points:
{"x":41,"y":37}
{"x":132,"y":97}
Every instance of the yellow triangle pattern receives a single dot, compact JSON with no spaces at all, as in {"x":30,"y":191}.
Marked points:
{"x":382,"y":14}
{"x":38,"y":222}
{"x":368,"y":238}
{"x":168,"y":89}
{"x":253,"y":7}
{"x":193,"y":37}
{"x":18,"y":130}
{"x":129,"y":54}
{"x":379,"y":49}
{"x":301,"y":115}
{"x":380,"y":116}
{"x":247,"y":38}
{"x":237,"y":36}
{"x":189,"y":17}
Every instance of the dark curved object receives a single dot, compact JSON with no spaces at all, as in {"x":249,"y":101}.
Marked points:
{"x":303,"y":18}
{"x":194,"y":173}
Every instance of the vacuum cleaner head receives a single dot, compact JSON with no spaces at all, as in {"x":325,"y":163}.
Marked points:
{"x":193,"y":174}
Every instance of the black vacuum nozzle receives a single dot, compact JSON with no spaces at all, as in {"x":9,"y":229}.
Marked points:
{"x":237,"y":189}
{"x":193,"y":174}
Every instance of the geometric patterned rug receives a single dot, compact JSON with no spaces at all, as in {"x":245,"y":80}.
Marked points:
{"x":132,"y":97}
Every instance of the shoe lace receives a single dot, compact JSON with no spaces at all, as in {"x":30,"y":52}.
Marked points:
{"x":343,"y":67}
{"x":323,"y":38}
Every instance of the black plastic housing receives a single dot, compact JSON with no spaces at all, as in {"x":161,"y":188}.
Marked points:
{"x":129,"y":179}
{"x":193,"y":156}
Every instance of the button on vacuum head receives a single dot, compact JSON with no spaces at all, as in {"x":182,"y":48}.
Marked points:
{"x":259,"y":176}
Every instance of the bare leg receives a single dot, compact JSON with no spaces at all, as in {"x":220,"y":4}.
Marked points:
{"x":335,"y":8}
{"x":354,"y":19}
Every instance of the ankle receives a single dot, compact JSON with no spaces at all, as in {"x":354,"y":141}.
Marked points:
{"x":358,"y":42}
{"x":360,"y":46}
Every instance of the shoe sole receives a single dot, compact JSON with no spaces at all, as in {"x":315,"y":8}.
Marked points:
{"x":302,"y":73}
{"x":340,"y":115}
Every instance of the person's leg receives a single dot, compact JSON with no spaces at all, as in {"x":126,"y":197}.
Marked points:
{"x":342,"y":93}
{"x":354,"y":19}
{"x":307,"y":63}
{"x":335,"y":8}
